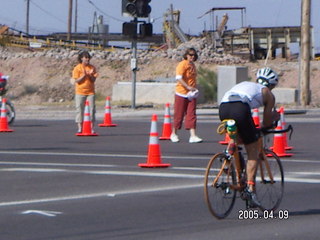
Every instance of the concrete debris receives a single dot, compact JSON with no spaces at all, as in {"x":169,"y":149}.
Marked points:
{"x":205,"y":51}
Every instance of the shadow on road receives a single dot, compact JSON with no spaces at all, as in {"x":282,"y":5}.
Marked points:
{"x":305,"y":212}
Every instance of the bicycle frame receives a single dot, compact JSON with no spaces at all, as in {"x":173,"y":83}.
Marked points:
{"x":239,"y":169}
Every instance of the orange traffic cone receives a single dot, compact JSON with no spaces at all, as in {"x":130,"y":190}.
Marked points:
{"x":283,"y":122}
{"x":278,"y":143}
{"x":87,"y":124}
{"x":4,"y":127}
{"x":226,"y":140}
{"x":154,"y":154}
{"x":107,"y":115}
{"x":255,"y":117}
{"x":166,"y":127}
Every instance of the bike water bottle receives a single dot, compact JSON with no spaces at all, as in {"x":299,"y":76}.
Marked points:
{"x":231,"y":128}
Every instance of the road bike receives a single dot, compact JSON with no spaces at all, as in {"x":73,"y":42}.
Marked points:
{"x":226,"y":175}
{"x":10,"y":111}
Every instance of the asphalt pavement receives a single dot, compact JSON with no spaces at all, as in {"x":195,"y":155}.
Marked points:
{"x":56,"y":185}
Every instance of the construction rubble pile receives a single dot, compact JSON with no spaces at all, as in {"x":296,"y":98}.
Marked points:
{"x":205,"y":51}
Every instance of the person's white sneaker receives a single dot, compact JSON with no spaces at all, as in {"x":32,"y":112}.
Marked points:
{"x":174,"y":138}
{"x":195,"y":139}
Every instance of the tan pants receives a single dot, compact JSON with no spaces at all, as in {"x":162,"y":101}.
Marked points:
{"x":80,"y":101}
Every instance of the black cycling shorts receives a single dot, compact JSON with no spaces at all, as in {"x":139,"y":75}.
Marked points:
{"x":241,"y":113}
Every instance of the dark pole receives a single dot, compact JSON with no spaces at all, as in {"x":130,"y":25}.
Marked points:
{"x":134,"y":67}
{"x":27,"y":16}
{"x":69,"y":20}
{"x":76,"y":17}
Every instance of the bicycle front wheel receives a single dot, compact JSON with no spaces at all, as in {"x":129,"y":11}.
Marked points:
{"x":219,"y":179}
{"x":11,"y":114}
{"x":270,"y":182}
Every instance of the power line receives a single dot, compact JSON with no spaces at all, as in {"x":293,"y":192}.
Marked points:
{"x":48,"y":13}
{"x":107,"y":15}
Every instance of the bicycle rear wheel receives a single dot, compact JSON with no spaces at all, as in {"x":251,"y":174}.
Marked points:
{"x":219,"y":177}
{"x":269,"y":193}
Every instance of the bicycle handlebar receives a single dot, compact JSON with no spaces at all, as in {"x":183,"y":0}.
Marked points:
{"x":268,"y":131}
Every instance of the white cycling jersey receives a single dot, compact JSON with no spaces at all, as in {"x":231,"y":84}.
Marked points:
{"x":246,"y":92}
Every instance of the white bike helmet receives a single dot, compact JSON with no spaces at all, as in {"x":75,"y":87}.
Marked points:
{"x":266,"y":76}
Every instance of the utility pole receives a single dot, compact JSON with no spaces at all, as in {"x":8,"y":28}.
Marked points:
{"x":27,"y":16}
{"x":69,"y":21}
{"x":305,"y":53}
{"x":76,"y":17}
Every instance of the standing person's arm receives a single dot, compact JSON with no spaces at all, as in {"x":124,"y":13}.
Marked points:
{"x":92,"y":74}
{"x":77,"y":76}
{"x":183,"y":83}
{"x":180,"y":71}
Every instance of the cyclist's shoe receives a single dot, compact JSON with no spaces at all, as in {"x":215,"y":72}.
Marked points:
{"x":252,"y":199}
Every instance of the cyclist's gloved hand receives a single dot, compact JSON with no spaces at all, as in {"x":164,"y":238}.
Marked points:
{"x":272,"y":126}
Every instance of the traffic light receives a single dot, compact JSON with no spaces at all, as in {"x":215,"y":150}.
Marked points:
{"x":129,"y":29}
{"x":136,"y":8}
{"x":145,"y":30}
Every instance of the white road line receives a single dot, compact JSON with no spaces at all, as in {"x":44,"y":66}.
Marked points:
{"x":59,"y":164}
{"x":301,"y":180}
{"x":125,"y":192}
{"x":289,"y":176}
{"x":97,"y":155}
{"x":87,"y":165}
{"x":101,"y":194}
{"x":117,"y":173}
{"x":42,"y":212}
{"x":306,"y":173}
{"x":288,"y":160}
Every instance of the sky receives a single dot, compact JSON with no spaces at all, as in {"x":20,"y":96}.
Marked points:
{"x":47,"y":16}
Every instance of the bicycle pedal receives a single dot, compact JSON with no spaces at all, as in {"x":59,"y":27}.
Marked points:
{"x":227,"y":190}
{"x":243,"y":196}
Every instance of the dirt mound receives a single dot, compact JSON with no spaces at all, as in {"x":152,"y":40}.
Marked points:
{"x":40,"y":79}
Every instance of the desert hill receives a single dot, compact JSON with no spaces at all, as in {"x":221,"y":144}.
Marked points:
{"x":43,"y":76}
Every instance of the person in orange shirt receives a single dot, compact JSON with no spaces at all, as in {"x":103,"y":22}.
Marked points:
{"x":84,"y":76}
{"x":186,"y":97}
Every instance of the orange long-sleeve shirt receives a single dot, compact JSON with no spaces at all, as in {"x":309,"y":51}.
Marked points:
{"x":86,"y":86}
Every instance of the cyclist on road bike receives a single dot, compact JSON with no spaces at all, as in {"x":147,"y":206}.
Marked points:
{"x":3,"y":83}
{"x":237,"y":104}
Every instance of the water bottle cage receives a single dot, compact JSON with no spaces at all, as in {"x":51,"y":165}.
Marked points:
{"x":232,"y":134}
{"x":231,"y":148}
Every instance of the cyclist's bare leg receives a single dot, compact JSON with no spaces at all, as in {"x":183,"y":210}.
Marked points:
{"x":252,"y":163}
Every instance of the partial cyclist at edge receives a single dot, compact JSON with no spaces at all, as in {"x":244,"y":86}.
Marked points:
{"x":237,"y":104}
{"x":9,"y":105}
